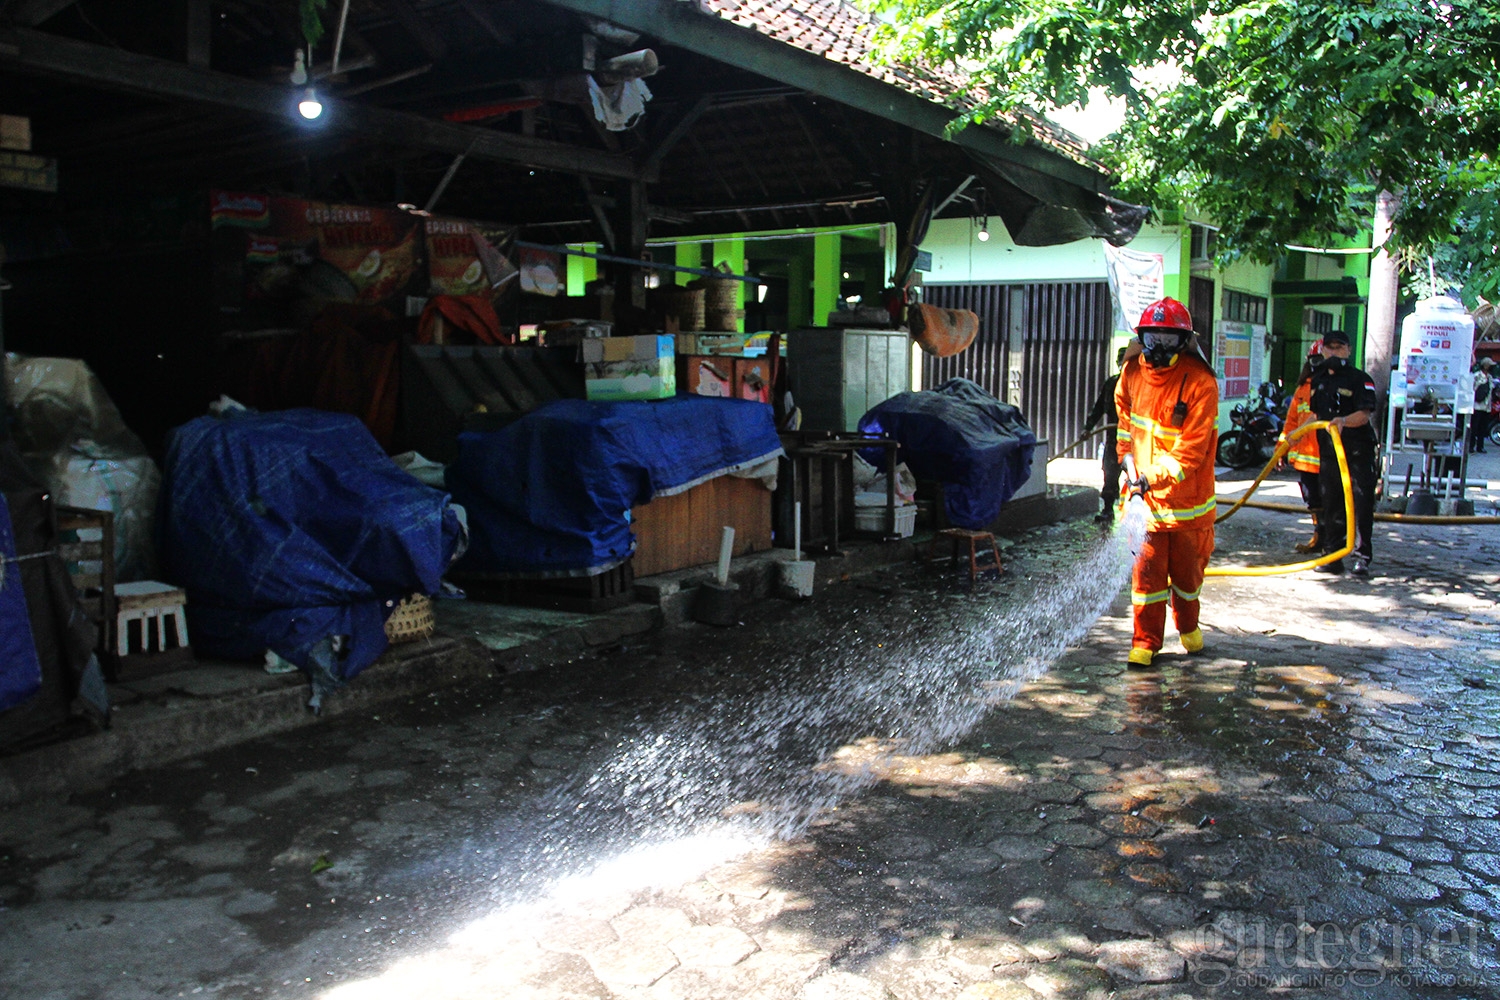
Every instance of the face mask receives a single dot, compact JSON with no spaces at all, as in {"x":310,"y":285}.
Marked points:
{"x":1161,"y":347}
{"x":1335,"y":362}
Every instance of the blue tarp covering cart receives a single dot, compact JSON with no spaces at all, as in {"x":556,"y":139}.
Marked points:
{"x":550,"y":495}
{"x":978,"y":447}
{"x":293,"y":531}
{"x":20,"y":670}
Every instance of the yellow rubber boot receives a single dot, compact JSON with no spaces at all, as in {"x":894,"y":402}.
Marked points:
{"x":1314,"y":543}
{"x":1193,"y":641}
{"x":1139,"y":657}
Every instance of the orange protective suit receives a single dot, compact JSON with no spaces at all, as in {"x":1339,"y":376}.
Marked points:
{"x":1304,"y":451}
{"x":1169,"y":423}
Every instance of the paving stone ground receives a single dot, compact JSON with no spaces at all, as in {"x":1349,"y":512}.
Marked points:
{"x":1310,"y":808}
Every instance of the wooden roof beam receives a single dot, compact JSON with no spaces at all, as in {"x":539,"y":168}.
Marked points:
{"x":26,"y":50}
{"x":31,"y":13}
{"x":681,"y":24}
{"x":428,"y":39}
{"x":651,"y":168}
{"x":502,"y":36}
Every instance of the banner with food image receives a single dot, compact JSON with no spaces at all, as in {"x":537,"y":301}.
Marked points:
{"x":379,"y":250}
{"x":469,"y":258}
{"x":542,"y":272}
{"x":279,"y":261}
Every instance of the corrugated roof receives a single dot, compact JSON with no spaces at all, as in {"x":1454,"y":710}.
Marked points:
{"x":845,"y":34}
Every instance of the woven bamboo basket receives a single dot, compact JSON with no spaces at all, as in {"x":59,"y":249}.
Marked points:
{"x":687,"y":304}
{"x":721,"y":302}
{"x":412,"y":620}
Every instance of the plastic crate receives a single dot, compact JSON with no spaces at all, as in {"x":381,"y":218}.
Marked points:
{"x":873,"y":519}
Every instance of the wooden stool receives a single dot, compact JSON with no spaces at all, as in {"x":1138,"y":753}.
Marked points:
{"x":149,"y":603}
{"x":974,"y":538}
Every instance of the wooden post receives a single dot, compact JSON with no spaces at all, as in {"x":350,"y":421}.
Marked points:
{"x":799,"y":286}
{"x":200,"y":20}
{"x":629,"y":220}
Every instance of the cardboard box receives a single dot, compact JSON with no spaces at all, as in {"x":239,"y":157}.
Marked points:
{"x":619,"y":381}
{"x":702,"y":375}
{"x":15,"y":133}
{"x":752,"y":379}
{"x":726,"y":377}
{"x":648,"y":348}
{"x":710,"y":343}
{"x":572,"y":332}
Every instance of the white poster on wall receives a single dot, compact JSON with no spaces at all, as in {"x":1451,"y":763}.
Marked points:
{"x":1136,"y":280}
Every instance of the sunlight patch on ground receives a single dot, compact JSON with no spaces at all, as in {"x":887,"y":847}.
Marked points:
{"x":499,"y":951}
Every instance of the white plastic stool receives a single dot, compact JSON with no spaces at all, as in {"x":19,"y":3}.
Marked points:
{"x":149,"y":602}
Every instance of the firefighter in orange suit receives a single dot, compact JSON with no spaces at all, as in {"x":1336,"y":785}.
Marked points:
{"x":1168,"y":401}
{"x":1303,"y":455}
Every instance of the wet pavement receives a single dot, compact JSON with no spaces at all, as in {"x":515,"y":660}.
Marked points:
{"x":902,"y":789}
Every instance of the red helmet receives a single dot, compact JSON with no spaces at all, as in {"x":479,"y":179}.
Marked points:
{"x":1165,"y":314}
{"x":1316,"y":348}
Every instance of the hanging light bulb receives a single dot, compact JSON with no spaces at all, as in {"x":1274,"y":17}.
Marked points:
{"x":310,"y":107}
{"x":299,"y":70}
{"x":984,"y":230}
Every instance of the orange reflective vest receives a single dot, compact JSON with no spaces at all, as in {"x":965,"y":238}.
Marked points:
{"x":1304,"y":451}
{"x":1173,"y":444}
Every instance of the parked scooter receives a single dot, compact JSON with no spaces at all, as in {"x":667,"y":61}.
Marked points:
{"x":1257,"y":425}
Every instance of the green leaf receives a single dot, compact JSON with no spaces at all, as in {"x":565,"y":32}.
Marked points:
{"x":309,"y":14}
{"x":1284,"y":118}
{"x":322,"y":864}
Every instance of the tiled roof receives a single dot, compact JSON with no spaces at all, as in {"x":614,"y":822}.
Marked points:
{"x":843,"y":33}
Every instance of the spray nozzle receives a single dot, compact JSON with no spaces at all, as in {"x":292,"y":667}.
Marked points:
{"x":1134,"y":481}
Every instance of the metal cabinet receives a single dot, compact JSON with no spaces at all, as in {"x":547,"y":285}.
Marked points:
{"x":838,"y":375}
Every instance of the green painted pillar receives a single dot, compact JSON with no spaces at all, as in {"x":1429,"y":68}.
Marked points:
{"x":582,"y":270}
{"x":799,"y":270}
{"x":827,"y":274}
{"x":732,"y":252}
{"x":1357,"y":318}
{"x":688,"y":255}
{"x":1179,"y":286}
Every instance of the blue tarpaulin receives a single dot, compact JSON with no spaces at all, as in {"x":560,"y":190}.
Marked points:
{"x":20,"y":668}
{"x":551,"y":493}
{"x":978,"y":447}
{"x":289,"y":529}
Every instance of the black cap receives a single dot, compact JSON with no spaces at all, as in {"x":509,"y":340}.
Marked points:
{"x":1335,"y":337}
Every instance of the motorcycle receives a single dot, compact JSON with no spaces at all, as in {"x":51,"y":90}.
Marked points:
{"x":1257,"y":426}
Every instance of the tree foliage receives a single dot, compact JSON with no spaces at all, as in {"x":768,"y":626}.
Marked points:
{"x":1280,"y":119}
{"x":310,"y":17}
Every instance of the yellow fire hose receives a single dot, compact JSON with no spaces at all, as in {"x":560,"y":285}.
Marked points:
{"x":1285,"y":446}
{"x":1396,"y":518}
{"x":1297,"y":567}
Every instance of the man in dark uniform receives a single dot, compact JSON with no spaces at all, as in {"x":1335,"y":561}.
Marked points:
{"x":1345,"y":395}
{"x":1104,"y":409}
